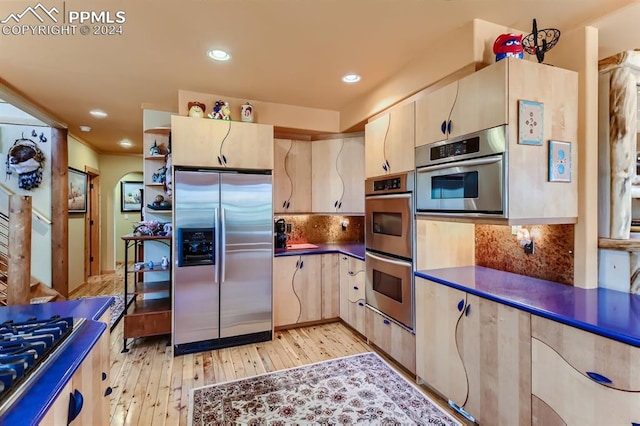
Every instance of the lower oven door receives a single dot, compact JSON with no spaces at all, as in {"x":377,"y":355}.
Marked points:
{"x":389,"y":287}
{"x":475,"y":185}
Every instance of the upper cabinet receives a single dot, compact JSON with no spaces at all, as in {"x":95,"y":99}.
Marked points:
{"x":201,"y":142}
{"x":292,"y":176}
{"x":390,"y":142}
{"x":475,"y":102}
{"x":337,"y":175}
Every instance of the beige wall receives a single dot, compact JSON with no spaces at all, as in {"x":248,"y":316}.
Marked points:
{"x":112,"y":170}
{"x":124,"y":221}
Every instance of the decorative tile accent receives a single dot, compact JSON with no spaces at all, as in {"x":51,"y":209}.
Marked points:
{"x":552,"y":260}
{"x":559,"y":161}
{"x":530,"y":123}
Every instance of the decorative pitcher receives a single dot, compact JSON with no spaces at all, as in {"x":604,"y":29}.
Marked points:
{"x":246,"y":112}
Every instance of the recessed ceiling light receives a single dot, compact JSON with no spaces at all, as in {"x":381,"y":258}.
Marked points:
{"x":351,"y":78}
{"x":219,"y":55}
{"x":98,"y":113}
{"x":126,"y":143}
{"x":85,"y":128}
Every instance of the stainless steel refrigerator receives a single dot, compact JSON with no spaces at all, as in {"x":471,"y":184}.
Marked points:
{"x":223,"y":248}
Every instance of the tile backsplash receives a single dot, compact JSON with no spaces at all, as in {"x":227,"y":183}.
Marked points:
{"x":324,"y":228}
{"x":552,"y":260}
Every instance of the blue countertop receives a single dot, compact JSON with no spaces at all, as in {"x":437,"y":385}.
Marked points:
{"x":609,"y":313}
{"x":33,"y":404}
{"x":350,"y":249}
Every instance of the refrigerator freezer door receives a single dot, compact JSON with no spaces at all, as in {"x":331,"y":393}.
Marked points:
{"x":196,"y":291}
{"x":246,"y":254}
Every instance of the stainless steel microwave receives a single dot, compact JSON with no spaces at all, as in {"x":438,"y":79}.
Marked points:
{"x":463,"y":176}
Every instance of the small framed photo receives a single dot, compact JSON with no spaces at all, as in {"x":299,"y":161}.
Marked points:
{"x":530,"y":122}
{"x":77,"y":191}
{"x":130,"y":196}
{"x":559,"y":161}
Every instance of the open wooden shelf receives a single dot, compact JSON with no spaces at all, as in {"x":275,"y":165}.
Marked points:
{"x":155,"y":157}
{"x":146,"y":287}
{"x":162,"y":130}
{"x":149,"y":306}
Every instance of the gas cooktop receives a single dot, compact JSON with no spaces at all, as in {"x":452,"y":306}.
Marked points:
{"x":24,"y":349}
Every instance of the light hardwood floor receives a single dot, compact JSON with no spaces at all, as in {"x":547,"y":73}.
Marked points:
{"x":151,"y":386}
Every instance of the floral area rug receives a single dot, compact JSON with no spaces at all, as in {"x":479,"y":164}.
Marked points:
{"x":356,"y":389}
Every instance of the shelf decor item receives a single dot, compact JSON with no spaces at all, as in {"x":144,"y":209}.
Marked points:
{"x":246,"y":112}
{"x":540,"y":41}
{"x":221,"y":110}
{"x":508,"y":45}
{"x":130,"y":196}
{"x":530,"y":122}
{"x":196,"y":109}
{"x":559,"y":161}
{"x":77,"y":191}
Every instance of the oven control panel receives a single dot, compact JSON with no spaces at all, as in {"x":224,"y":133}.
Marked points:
{"x":454,"y":149}
{"x":402,"y":182}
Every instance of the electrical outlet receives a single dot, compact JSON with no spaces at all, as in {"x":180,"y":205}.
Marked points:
{"x":515,"y":229}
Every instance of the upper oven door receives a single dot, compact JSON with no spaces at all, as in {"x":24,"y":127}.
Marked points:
{"x":475,"y":185}
{"x":389,"y":224}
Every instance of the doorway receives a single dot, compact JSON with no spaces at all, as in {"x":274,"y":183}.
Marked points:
{"x":92,"y":225}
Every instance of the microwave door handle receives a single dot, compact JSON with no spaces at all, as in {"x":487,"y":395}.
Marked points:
{"x":388,"y":260}
{"x":216,"y":249}
{"x":464,"y":163}
{"x":388,"y":196}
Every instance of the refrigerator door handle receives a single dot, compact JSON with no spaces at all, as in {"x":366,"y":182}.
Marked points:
{"x":223,"y":243}
{"x":217,"y":251}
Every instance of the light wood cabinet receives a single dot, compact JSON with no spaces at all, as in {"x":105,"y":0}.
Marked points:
{"x":390,"y":142}
{"x":292,"y":176}
{"x":330,"y":286}
{"x":475,"y":352}
{"x":87,"y":382}
{"x":473,"y":103}
{"x":337,"y":175}
{"x":201,"y":142}
{"x":396,"y":341}
{"x":352,"y":296}
{"x":581,"y":377}
{"x":297,"y":287}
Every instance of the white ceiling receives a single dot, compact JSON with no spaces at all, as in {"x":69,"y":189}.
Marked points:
{"x":284,"y":51}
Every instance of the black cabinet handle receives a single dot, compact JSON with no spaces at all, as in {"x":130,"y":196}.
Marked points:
{"x":108,"y":391}
{"x":335,"y":204}
{"x":297,"y":264}
{"x":284,"y":205}
{"x":76,"y":400}
{"x":384,"y":166}
{"x":466,"y":311}
{"x":224,"y":159}
{"x":443,"y":127}
{"x":387,"y":163}
{"x":301,"y":264}
{"x":461,"y":305}
{"x":350,"y":273}
{"x":449,"y":127}
{"x":288,"y":204}
{"x":355,"y":287}
{"x":219,"y":160}
{"x":599,"y":378}
{"x":360,"y":304}
{"x":104,"y":376}
{"x":386,"y":322}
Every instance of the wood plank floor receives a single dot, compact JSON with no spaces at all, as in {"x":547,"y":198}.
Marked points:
{"x":151,"y":386}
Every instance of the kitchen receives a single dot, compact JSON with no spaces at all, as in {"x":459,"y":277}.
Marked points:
{"x":422,"y":225}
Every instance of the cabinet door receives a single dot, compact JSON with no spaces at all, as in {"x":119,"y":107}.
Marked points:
{"x":194,"y":143}
{"x":433,"y":112}
{"x":495,"y":345}
{"x":292,"y":176}
{"x":330,"y":286}
{"x":307,"y":285}
{"x":351,"y":170}
{"x":245,"y":145}
{"x":399,"y":343}
{"x":286,"y":305}
{"x":481,"y":102}
{"x":58,"y":413}
{"x":438,"y":360}
{"x":562,"y":394}
{"x":88,"y":381}
{"x":352,"y":292}
{"x":327,"y":184}
{"x":375,"y":134}
{"x":399,"y":149}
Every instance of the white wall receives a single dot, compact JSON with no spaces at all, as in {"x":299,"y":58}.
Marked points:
{"x":124,"y":221}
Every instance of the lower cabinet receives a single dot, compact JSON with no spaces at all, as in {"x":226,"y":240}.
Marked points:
{"x":475,"y":352}
{"x":352,"y":302}
{"x":305,"y":289}
{"x":396,"y":341}
{"x":582,"y":378}
{"x":85,"y":397}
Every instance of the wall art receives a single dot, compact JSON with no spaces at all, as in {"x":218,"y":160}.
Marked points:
{"x":530,"y":122}
{"x":559,"y":161}
{"x":77,"y":191}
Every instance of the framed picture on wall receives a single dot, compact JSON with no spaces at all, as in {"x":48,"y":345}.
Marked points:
{"x":77,"y":191}
{"x":130,"y":196}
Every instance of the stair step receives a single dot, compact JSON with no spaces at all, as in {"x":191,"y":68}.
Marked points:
{"x":42,"y":299}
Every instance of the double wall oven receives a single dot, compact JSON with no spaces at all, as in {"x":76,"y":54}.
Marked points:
{"x":390,"y":247}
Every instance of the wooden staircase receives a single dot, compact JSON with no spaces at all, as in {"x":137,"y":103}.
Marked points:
{"x":39,"y":292}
